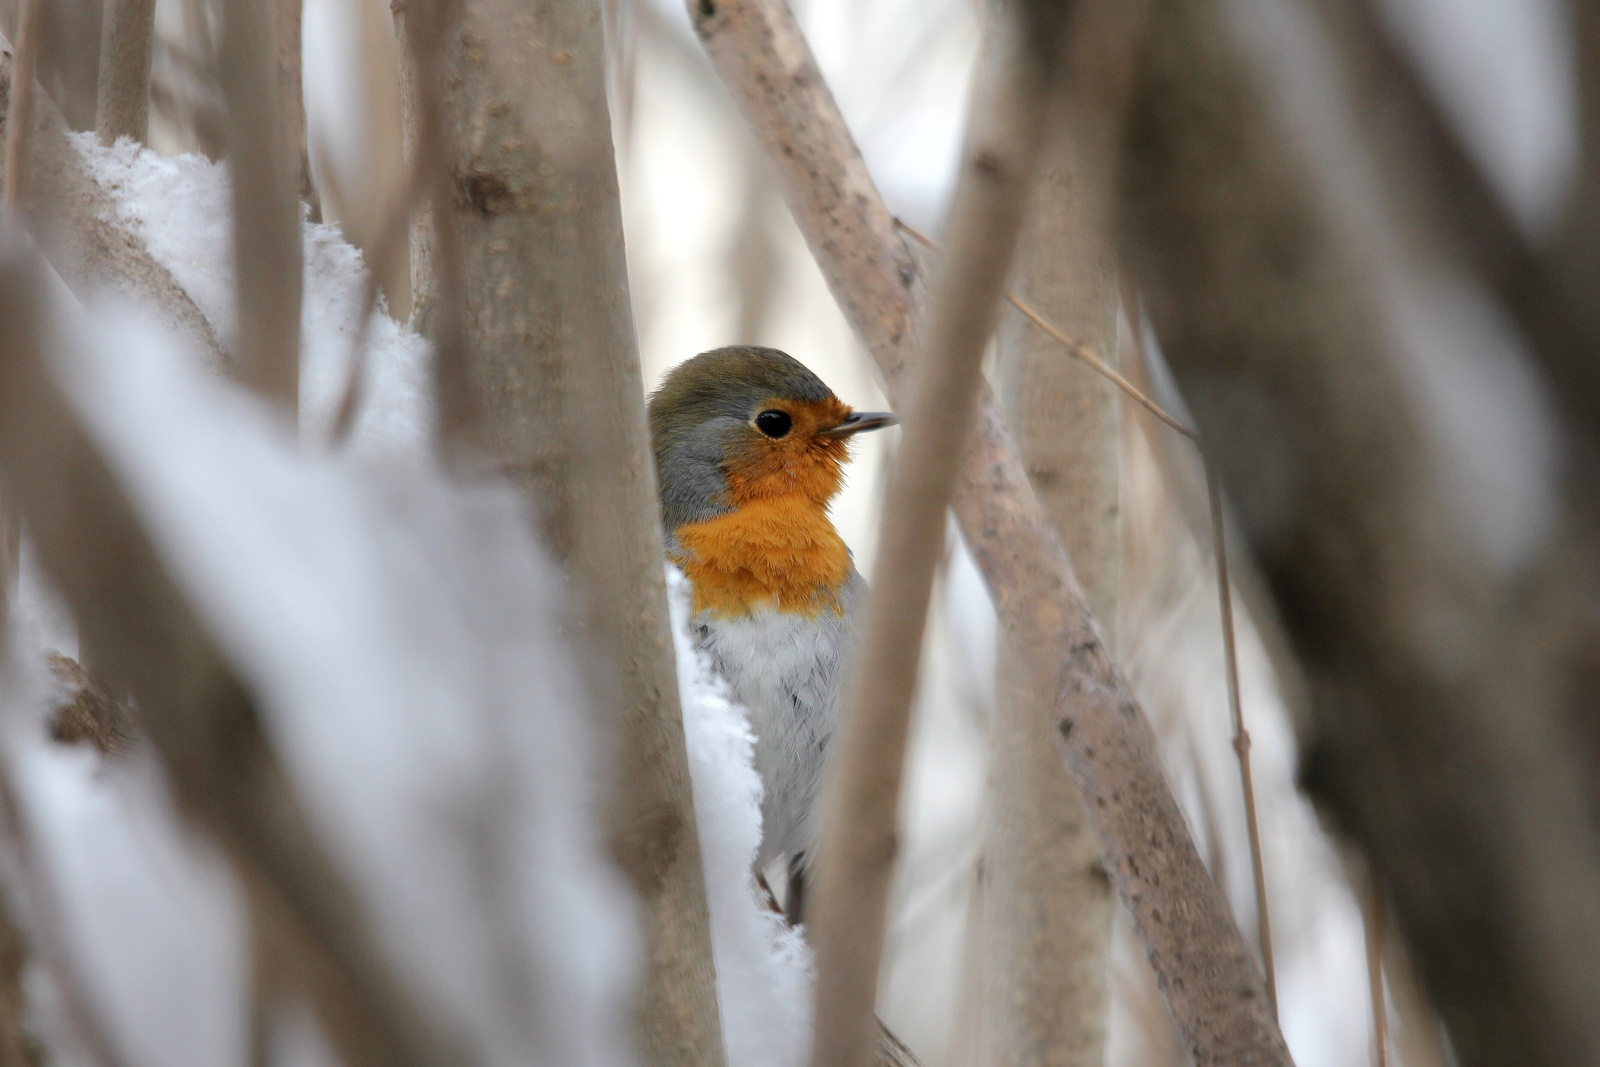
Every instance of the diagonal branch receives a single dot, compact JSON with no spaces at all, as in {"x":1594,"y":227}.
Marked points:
{"x":1213,"y":987}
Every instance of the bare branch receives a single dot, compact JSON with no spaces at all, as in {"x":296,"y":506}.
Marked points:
{"x":1212,"y":985}
{"x":266,"y":211}
{"x":127,"y":45}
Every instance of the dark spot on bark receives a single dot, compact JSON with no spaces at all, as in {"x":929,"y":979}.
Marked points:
{"x":708,"y":9}
{"x":487,"y":194}
{"x":987,"y":164}
{"x":1064,"y":728}
{"x":647,"y":849}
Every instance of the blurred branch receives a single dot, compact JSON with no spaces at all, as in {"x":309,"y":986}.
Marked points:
{"x":266,"y":211}
{"x":1213,"y":988}
{"x":71,"y":215}
{"x":1443,"y":680}
{"x":194,"y":708}
{"x":1549,"y":292}
{"x":127,"y":44}
{"x":1040,"y":932}
{"x":547,"y":384}
{"x":861,"y":802}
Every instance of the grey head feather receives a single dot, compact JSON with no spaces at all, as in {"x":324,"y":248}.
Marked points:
{"x":704,"y":405}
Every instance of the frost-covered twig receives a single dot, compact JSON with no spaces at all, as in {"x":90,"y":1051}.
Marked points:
{"x":193,"y":707}
{"x":78,"y":229}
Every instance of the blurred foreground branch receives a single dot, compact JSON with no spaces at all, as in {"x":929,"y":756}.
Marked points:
{"x":1444,"y":665}
{"x":1212,"y":986}
{"x":861,"y":820}
{"x":192,"y":705}
{"x":1040,"y":932}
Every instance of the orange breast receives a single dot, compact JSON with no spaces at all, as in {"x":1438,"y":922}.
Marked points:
{"x":773,"y":552}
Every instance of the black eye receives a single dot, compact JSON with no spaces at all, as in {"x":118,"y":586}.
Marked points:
{"x":774,"y":423}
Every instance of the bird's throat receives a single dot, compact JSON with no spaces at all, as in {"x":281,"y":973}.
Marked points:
{"x":779,"y":554}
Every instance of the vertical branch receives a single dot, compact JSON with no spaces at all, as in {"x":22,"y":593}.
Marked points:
{"x":1372,"y":912}
{"x":266,"y":212}
{"x":127,"y":44}
{"x":550,"y":388}
{"x":1041,"y":932}
{"x":862,"y":802}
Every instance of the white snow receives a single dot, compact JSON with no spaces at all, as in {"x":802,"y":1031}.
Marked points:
{"x":179,"y":205}
{"x":764,"y":974}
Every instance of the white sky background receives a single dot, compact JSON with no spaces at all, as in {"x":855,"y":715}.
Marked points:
{"x":899,"y":69}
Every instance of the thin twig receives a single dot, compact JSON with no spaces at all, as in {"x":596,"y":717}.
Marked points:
{"x":1241,"y":736}
{"x":1076,"y":349}
{"x":1375,"y":935}
{"x":19,"y":117}
{"x":127,"y":46}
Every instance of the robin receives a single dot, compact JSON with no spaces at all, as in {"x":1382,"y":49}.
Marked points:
{"x":750,"y":448}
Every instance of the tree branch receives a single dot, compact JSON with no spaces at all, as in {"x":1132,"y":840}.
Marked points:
{"x":127,"y":45}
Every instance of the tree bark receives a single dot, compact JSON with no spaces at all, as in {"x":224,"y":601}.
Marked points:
{"x":127,"y":39}
{"x":554,"y":396}
{"x":1441,"y":680}
{"x":1212,"y":985}
{"x":1037,"y":986}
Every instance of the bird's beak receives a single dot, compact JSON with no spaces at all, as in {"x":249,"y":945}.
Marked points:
{"x":862,"y":421}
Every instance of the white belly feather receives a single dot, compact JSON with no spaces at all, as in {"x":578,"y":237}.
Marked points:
{"x":787,"y":670}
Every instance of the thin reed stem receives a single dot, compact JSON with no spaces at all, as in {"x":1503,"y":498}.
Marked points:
{"x":1374,"y":908}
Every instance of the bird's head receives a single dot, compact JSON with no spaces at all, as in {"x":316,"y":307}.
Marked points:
{"x":741,"y":425}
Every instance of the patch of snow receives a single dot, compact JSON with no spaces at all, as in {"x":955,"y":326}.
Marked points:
{"x":180,"y":206}
{"x":764,"y":968}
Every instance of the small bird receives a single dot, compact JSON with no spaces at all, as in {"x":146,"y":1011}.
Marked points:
{"x":750,"y":447}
